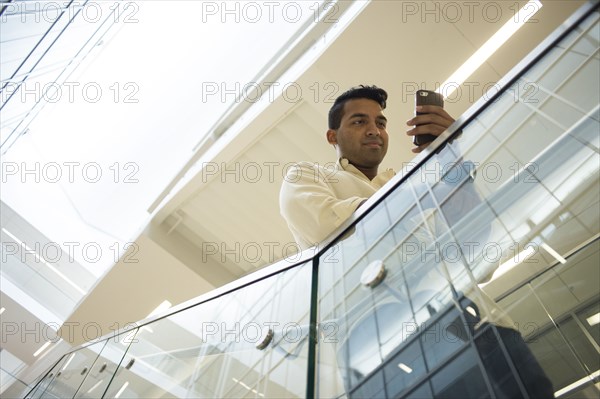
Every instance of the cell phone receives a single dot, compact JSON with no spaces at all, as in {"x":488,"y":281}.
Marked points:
{"x":426,"y":97}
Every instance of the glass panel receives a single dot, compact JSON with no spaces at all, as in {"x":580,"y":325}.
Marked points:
{"x":424,"y":391}
{"x":46,"y":380}
{"x":210,"y":350}
{"x":590,"y":318}
{"x":74,"y":370}
{"x":466,"y":271}
{"x":444,"y":338}
{"x":407,"y":367}
{"x":566,"y":296}
{"x":579,"y":343}
{"x":105,"y":366}
{"x":498,"y":369}
{"x":10,"y":367}
{"x":407,"y":282}
{"x":27,"y":32}
{"x":461,"y":378}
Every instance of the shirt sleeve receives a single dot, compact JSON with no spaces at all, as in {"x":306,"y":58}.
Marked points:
{"x":310,"y":206}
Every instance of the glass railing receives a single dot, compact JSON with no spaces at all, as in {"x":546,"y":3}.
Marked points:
{"x":250,"y":342}
{"x":473,"y":274}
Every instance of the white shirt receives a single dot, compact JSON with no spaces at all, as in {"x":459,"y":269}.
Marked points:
{"x":315,"y":200}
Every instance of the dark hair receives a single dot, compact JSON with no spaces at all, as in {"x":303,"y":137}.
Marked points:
{"x":370,"y":92}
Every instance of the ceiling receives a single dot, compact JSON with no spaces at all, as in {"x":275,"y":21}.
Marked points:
{"x":222,"y":222}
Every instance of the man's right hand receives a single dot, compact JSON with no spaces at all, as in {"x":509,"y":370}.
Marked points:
{"x":434,"y":120}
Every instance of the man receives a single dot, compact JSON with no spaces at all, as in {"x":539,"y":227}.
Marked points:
{"x":315,"y":200}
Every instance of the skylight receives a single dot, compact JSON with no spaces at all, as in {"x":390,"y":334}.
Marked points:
{"x":103,"y":151}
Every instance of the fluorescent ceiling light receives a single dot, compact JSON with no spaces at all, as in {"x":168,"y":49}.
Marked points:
{"x":122,"y":389}
{"x":577,"y":384}
{"x":160,"y":308}
{"x":2,"y":310}
{"x":40,"y":259}
{"x":95,"y":386}
{"x":68,"y":361}
{"x":471,"y":311}
{"x":515,"y":260}
{"x":552,"y":252}
{"x":593,"y":320}
{"x":148,"y":328}
{"x":511,"y":263}
{"x":42,"y":348}
{"x":241,"y":383}
{"x":405,"y":368}
{"x":489,"y":47}
{"x":247,"y":387}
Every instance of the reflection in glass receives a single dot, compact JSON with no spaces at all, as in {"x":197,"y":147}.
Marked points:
{"x":214,"y":349}
{"x":73,"y":371}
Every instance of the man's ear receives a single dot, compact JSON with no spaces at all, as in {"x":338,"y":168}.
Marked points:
{"x":332,"y":136}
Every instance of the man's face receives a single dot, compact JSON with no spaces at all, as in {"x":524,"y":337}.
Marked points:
{"x":362,"y":137}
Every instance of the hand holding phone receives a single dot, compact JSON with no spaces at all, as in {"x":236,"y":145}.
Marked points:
{"x":426,"y":97}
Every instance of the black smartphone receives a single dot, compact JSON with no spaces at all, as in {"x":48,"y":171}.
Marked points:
{"x":426,"y":97}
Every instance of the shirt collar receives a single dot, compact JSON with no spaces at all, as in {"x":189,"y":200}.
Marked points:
{"x":345,"y":165}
